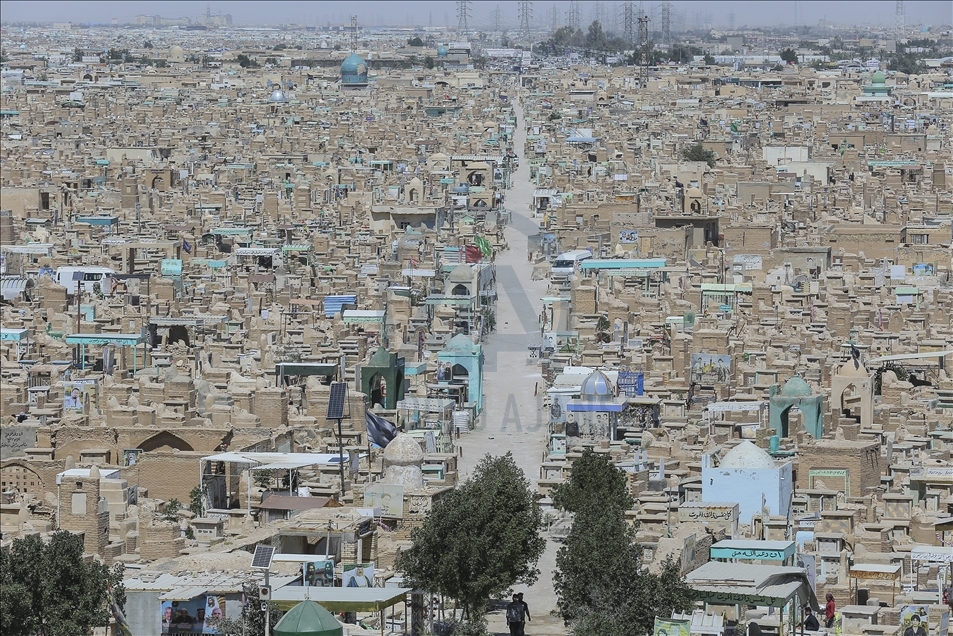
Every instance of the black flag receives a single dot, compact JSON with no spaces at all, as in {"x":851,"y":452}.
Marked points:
{"x":379,"y":430}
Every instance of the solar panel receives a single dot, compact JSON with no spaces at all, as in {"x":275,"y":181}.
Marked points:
{"x":263,"y":557}
{"x":337,"y":401}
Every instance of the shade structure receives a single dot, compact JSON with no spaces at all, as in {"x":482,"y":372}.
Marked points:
{"x":307,"y":617}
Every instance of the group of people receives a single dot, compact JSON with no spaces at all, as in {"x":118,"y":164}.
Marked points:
{"x":517,"y":613}
{"x":177,"y":619}
{"x":811,"y":623}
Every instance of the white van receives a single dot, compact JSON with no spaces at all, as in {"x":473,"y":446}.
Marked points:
{"x":87,"y":276}
{"x":567,"y":263}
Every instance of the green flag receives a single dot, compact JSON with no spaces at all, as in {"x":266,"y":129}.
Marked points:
{"x":484,"y":245}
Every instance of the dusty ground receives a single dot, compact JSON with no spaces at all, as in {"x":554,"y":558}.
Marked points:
{"x":513,"y":420}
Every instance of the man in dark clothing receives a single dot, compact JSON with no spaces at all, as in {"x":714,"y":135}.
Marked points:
{"x":810,"y":621}
{"x":519,"y":597}
{"x":515,"y":616}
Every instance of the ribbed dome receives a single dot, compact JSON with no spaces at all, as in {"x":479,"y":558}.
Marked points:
{"x":746,"y":455}
{"x":597,"y":384}
{"x":307,"y":617}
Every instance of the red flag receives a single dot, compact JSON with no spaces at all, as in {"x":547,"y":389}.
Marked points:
{"x":474,"y":255}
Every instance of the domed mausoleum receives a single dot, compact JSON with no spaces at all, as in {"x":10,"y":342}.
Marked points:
{"x":353,"y":72}
{"x":748,"y":476}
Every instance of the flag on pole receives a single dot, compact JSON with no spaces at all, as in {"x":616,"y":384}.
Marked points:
{"x":484,"y":245}
{"x":186,"y":246}
{"x":473,"y":254}
{"x":379,"y":430}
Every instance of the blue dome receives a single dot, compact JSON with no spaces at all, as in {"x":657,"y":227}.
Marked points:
{"x":442,"y":51}
{"x":354,"y":69}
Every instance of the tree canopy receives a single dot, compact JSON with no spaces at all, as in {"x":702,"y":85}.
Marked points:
{"x":480,"y":539}
{"x":49,"y":590}
{"x":789,"y":56}
{"x":697,"y":152}
{"x":600,"y":584}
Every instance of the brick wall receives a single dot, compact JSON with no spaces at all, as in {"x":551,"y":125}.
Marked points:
{"x":167,"y":475}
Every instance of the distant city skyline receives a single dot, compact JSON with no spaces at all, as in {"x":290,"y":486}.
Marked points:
{"x":374,"y":13}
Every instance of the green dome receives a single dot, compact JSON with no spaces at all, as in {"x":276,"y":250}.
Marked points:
{"x":796,"y":387}
{"x":878,"y":78}
{"x":310,"y":619}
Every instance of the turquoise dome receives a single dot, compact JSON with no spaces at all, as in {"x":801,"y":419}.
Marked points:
{"x":442,"y":51}
{"x":796,"y":387}
{"x":354,"y":69}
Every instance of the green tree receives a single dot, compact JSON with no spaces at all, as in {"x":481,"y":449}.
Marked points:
{"x":789,"y":56}
{"x":49,"y":589}
{"x":480,"y":539}
{"x":599,"y":582}
{"x":428,"y":62}
{"x":148,"y":45}
{"x":246,"y":62}
{"x":195,"y":501}
{"x":170,"y":511}
{"x":415,"y":41}
{"x":709,"y":60}
{"x":697,"y":152}
{"x":594,"y":478}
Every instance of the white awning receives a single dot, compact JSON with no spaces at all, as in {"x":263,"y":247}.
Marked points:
{"x":301,"y":459}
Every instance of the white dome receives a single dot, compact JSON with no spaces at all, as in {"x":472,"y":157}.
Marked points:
{"x":597,"y":384}
{"x":747,"y":455}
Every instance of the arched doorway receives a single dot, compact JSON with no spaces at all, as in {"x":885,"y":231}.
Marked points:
{"x":460,"y":290}
{"x":178,"y":333}
{"x":165,"y":441}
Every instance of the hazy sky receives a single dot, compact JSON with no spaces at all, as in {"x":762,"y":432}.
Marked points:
{"x":440,"y":13}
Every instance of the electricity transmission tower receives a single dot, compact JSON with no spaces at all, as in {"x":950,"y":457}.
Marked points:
{"x":463,"y":17}
{"x":628,"y":22}
{"x":901,"y":20}
{"x":572,"y":15}
{"x":554,"y":17}
{"x":597,"y":14}
{"x":665,"y":23}
{"x":497,"y":20}
{"x":526,"y":14}
{"x":644,"y":46}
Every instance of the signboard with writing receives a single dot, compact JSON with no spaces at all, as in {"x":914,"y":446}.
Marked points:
{"x":717,"y":597}
{"x":14,"y":440}
{"x":829,"y":478}
{"x":708,"y":512}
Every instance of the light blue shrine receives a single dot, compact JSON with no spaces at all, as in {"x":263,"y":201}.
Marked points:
{"x":466,"y":361}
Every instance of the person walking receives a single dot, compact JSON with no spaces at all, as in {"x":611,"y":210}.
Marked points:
{"x":515,"y":616}
{"x":519,"y":597}
{"x":829,"y":610}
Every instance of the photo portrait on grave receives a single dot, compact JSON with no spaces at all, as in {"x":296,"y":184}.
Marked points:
{"x":914,"y":620}
{"x":670,"y":628}
{"x":358,"y":575}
